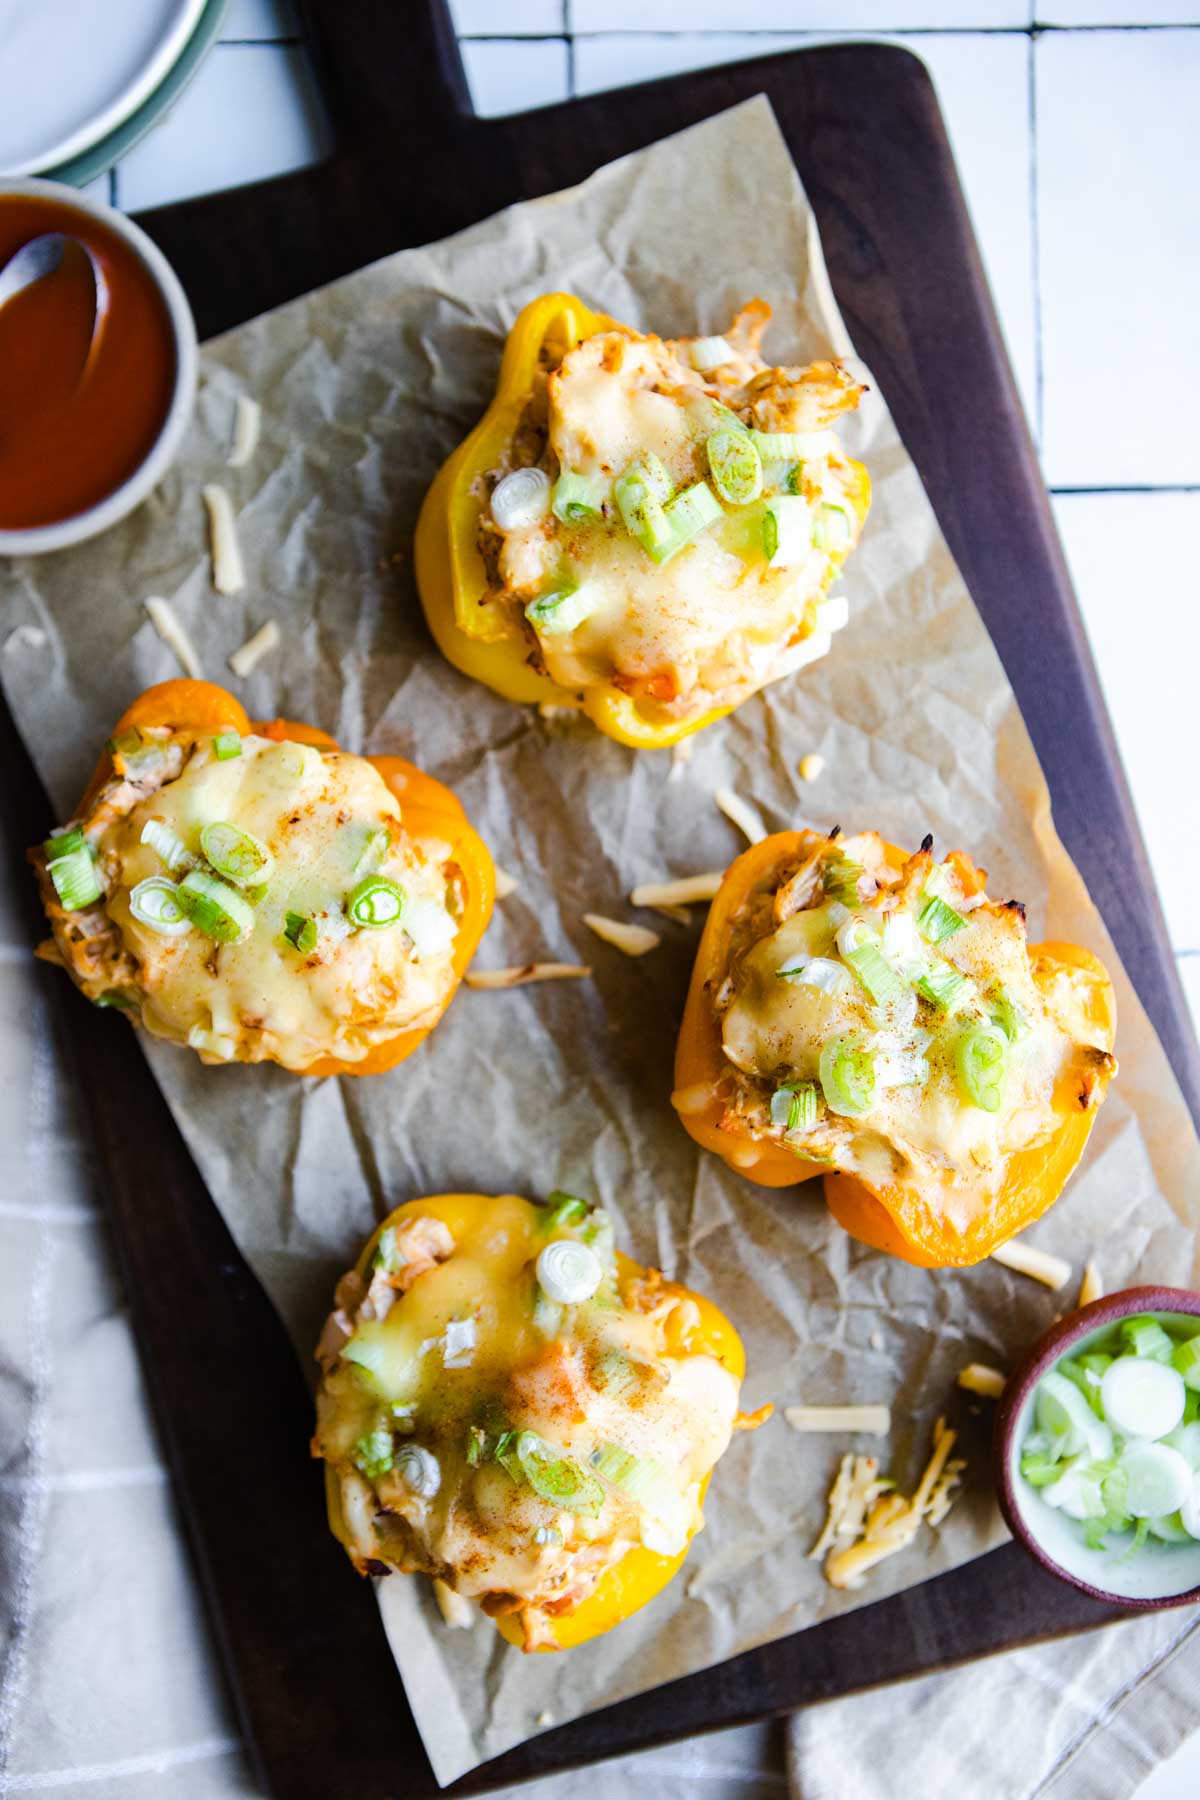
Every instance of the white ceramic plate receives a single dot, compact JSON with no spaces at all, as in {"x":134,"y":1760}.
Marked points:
{"x":72,"y":70}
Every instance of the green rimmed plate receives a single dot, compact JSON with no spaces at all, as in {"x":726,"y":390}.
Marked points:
{"x":100,"y":157}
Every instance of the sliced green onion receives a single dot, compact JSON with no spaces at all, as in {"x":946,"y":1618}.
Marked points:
{"x":561,"y":608}
{"x":374,"y":849}
{"x":419,"y":1470}
{"x":941,"y":985}
{"x":72,"y":869}
{"x":521,"y":498}
{"x":817,"y":972}
{"x":787,"y":531}
{"x":569,"y":1272}
{"x":547,"y":1534}
{"x":374,"y":1454}
{"x":1039,"y":1469}
{"x":1144,"y":1336}
{"x":478,"y":1446}
{"x":579,"y":499}
{"x":637,"y":1476}
{"x":859,"y":947}
{"x":155,"y":903}
{"x":164,"y":842}
{"x":228,"y":745}
{"x":708,"y":353}
{"x":981,"y":1058}
{"x":556,"y":1477}
{"x":366,"y":1354}
{"x":847,"y":1070}
{"x":215,"y":908}
{"x":735,"y":466}
{"x":1011,"y":1018}
{"x":936,"y":921}
{"x":114,"y":997}
{"x":386,"y":1256}
{"x":652,"y":471}
{"x":833,"y":527}
{"x":795,"y":479}
{"x":300,"y":932}
{"x":1159,"y":1479}
{"x":614,"y":1374}
{"x":1143,"y":1397}
{"x":1186,"y":1358}
{"x":1088,"y":1382}
{"x":376,"y":903}
{"x":236,"y":854}
{"x":709,"y":415}
{"x":788,"y":446}
{"x":563,"y":1211}
{"x":840,"y":877}
{"x":692,"y":512}
{"x":794,"y":1106}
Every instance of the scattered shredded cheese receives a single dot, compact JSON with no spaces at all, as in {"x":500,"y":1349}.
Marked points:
{"x":164,"y":621}
{"x":687,"y":891}
{"x":506,"y":884}
{"x":228,"y":571}
{"x":874,"y":1419}
{"x":246,"y":424}
{"x":634,"y":940}
{"x":741,"y":814}
{"x":811,"y":766}
{"x":265,"y":639}
{"x":678,"y":915}
{"x":980,"y":1378}
{"x":510,"y":978}
{"x":1091,"y":1287}
{"x":454,"y":1607}
{"x":1039,"y":1265}
{"x":868,"y":1520}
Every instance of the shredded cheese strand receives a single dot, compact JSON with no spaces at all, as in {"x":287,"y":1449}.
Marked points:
{"x":265,"y":639}
{"x":228,"y":570}
{"x":165,"y":622}
{"x":634,"y":940}
{"x":1091,"y":1287}
{"x":875,"y":1419}
{"x":506,"y":884}
{"x":246,"y":425}
{"x":740,"y":813}
{"x":981,"y":1378}
{"x":689,"y":890}
{"x":517,"y":977}
{"x":1039,"y":1265}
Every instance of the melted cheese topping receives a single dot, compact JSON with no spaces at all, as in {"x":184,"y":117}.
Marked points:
{"x":920,"y":1126}
{"x":717,"y":620}
{"x":469,"y":1351}
{"x":262,"y":998}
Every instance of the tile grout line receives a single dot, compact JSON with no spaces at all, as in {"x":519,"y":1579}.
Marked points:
{"x":1148,"y":487}
{"x":1036,"y":29}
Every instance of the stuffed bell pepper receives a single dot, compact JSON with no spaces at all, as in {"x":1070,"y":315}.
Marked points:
{"x":876,"y":1018}
{"x":257,"y":894}
{"x":512,"y":1407}
{"x":646,"y":529}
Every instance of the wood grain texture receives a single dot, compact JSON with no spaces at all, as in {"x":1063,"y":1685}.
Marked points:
{"x":314,"y":1684}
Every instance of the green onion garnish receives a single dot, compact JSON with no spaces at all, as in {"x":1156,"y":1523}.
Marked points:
{"x":786,"y":530}
{"x":794,"y":1106}
{"x":478,"y":1446}
{"x":228,"y":745}
{"x":981,"y":1058}
{"x":300,"y":932}
{"x":614,"y":1374}
{"x":876,"y":974}
{"x":114,"y":997}
{"x":653,"y":472}
{"x":563,"y":1211}
{"x":636,"y":1476}
{"x":832,"y":528}
{"x":1038,"y":1469}
{"x":215,"y":908}
{"x":735,"y":466}
{"x":1011,"y":1018}
{"x":553,"y":1476}
{"x":561,"y":608}
{"x":1186,"y":1358}
{"x":840,"y":877}
{"x":376,"y":903}
{"x":1144,"y":1336}
{"x":373,"y":852}
{"x":578,"y":499}
{"x":936,"y":921}
{"x":941,"y":985}
{"x":374,"y":1453}
{"x":156,"y":903}
{"x":72,"y":869}
{"x":164,"y":842}
{"x":236,"y":854}
{"x":690,"y":513}
{"x":795,"y":479}
{"x":847,"y":1071}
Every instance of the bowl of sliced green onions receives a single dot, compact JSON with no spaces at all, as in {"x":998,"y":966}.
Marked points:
{"x":1098,"y":1449}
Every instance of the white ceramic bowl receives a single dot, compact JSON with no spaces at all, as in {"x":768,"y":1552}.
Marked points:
{"x":36,"y":539}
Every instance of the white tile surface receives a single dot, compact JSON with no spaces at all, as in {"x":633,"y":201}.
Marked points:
{"x":1119,"y":219}
{"x":983,"y":87}
{"x":251,"y":111}
{"x":508,"y":18}
{"x":259,"y":19}
{"x":1135,"y":13}
{"x":1189,"y":974}
{"x":797,"y":15}
{"x":1133,"y":562}
{"x":509,"y":76}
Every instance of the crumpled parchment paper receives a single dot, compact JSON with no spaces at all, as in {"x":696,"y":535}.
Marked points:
{"x":366,"y":386}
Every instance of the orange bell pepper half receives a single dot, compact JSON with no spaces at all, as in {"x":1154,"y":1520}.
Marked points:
{"x":428,"y":808}
{"x":895,"y":1218}
{"x":641,"y":1574}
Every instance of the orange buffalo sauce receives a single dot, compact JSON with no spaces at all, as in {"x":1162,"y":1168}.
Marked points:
{"x":67,"y":442}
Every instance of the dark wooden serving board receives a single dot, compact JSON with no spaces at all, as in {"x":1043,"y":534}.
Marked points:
{"x":310,"y":1672}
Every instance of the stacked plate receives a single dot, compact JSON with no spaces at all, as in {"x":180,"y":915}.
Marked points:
{"x":81,"y":81}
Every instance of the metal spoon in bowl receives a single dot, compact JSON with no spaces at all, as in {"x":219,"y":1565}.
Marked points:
{"x":41,"y":256}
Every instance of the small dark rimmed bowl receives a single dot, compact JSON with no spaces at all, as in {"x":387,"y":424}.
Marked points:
{"x":1027,"y":1516}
